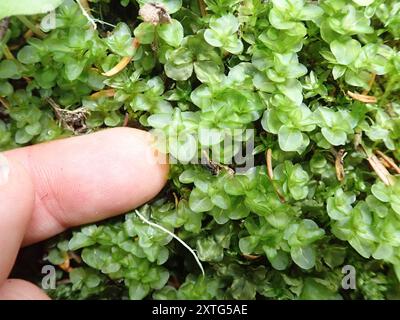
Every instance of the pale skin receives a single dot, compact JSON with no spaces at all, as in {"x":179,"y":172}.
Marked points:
{"x":65,"y":183}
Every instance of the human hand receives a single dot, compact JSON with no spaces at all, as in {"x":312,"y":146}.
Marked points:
{"x":47,"y":188}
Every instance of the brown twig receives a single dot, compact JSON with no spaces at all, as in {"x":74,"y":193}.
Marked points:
{"x":385,"y":163}
{"x":126,"y":120}
{"x":279,"y":194}
{"x":270,"y":172}
{"x":202,"y":7}
{"x":362,"y":97}
{"x":175,"y":199}
{"x":340,"y":175}
{"x":389,"y":161}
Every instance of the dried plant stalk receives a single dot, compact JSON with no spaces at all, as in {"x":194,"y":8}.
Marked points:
{"x":370,"y":83}
{"x":362,"y":97}
{"x":268,"y":156}
{"x":390,"y":161}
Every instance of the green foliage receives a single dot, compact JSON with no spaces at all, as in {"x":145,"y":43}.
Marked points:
{"x":11,"y":8}
{"x":288,"y":70}
{"x":222,"y":32}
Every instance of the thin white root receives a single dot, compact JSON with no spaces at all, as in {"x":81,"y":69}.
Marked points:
{"x":104,"y":22}
{"x":175,"y":237}
{"x":86,"y":14}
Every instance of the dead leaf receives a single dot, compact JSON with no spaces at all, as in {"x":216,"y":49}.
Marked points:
{"x":118,"y":67}
{"x":380,"y":170}
{"x":362,"y":97}
{"x":389,"y":161}
{"x":103,"y":93}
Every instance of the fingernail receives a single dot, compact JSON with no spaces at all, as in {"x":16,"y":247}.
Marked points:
{"x":4,"y":170}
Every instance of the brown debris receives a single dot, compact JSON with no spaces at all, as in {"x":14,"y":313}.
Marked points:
{"x":73,"y":120}
{"x":66,"y":265}
{"x":135,"y":43}
{"x":213,"y":166}
{"x":155,"y":13}
{"x":340,"y":175}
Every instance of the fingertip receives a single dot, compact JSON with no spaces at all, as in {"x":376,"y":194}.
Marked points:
{"x":16,"y":206}
{"x":16,"y":289}
{"x":145,"y":170}
{"x":142,"y":152}
{"x":15,"y":181}
{"x":90,"y":178}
